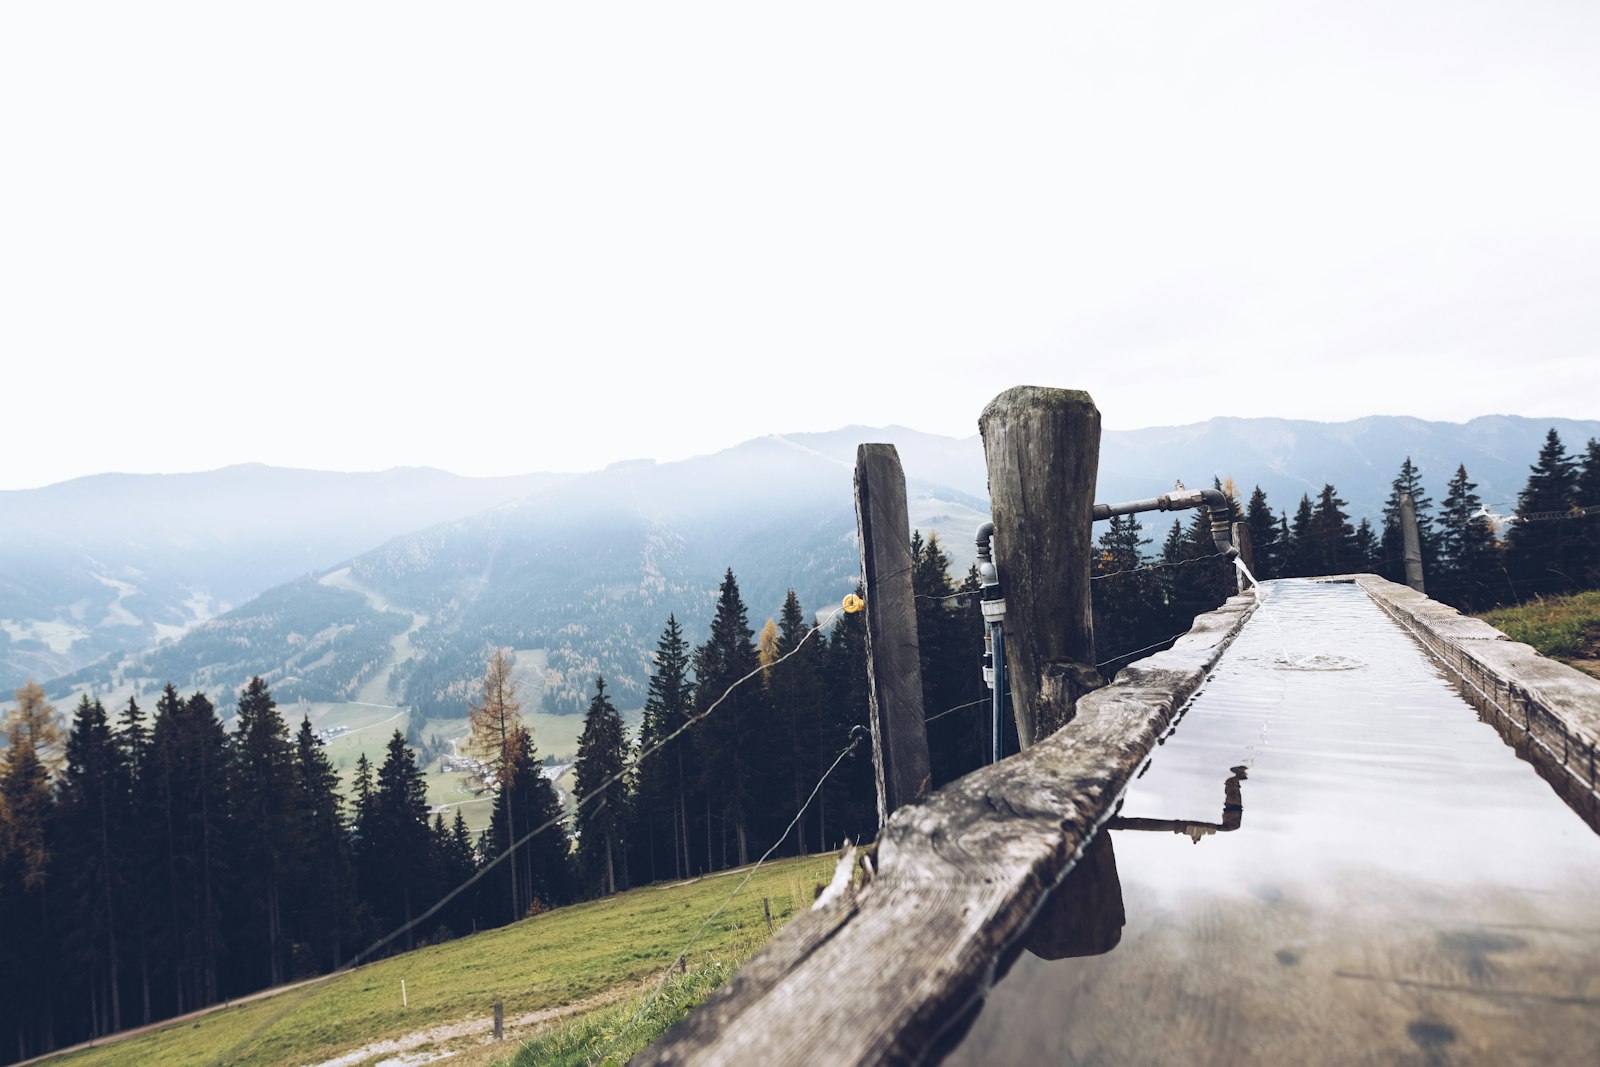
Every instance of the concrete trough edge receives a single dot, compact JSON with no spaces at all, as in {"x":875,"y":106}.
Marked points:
{"x":1547,"y":711}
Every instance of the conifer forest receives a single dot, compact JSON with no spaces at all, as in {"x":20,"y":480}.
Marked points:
{"x":157,"y":860}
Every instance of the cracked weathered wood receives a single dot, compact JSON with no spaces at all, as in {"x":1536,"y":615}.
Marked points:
{"x":880,"y":975}
{"x":894,"y":663}
{"x":1042,"y":447}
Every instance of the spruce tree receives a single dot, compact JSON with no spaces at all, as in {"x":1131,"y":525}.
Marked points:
{"x":795,"y":697}
{"x":1467,"y":554}
{"x":541,"y":854}
{"x":600,"y":782}
{"x":731,"y":735}
{"x":1300,"y":556}
{"x":1588,"y":497}
{"x":1408,"y":480}
{"x":1331,"y":546}
{"x":1543,"y":549}
{"x":1263,"y":535}
{"x":93,"y":814}
{"x":400,"y":831}
{"x":323,"y":886}
{"x":263,"y":796}
{"x":28,"y":952}
{"x":949,"y":652}
{"x":662,"y":814}
{"x":847,"y":807}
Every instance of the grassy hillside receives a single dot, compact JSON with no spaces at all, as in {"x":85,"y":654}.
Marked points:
{"x":591,"y":957}
{"x":1565,"y":628}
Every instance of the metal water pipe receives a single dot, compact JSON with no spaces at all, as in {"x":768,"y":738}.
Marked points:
{"x":993,"y":602}
{"x":1218,"y":507}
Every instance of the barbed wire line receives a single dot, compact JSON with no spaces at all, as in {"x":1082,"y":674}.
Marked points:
{"x":688,"y":947}
{"x":478,"y":875}
{"x":960,"y":707}
{"x":1146,"y":648}
{"x":1157,"y":566}
{"x":611,"y":780}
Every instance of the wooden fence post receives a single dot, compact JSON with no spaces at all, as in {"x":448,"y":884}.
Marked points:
{"x":1042,"y":447}
{"x":499,"y":1020}
{"x":894,"y":669}
{"x":1247,"y":552}
{"x":1413,"y":542}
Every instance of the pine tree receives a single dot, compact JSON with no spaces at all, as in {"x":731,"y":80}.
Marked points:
{"x":140,"y":854}
{"x":323,"y":886}
{"x":541,"y":856}
{"x":400,"y":831}
{"x":1467,"y":555}
{"x":949,"y":651}
{"x":263,"y":796}
{"x":1264,"y":530}
{"x":1409,"y":480}
{"x":731,"y":735}
{"x":600,"y":784}
{"x":795,"y":694}
{"x":1588,"y":496}
{"x":1543,"y":552}
{"x":189,"y":763}
{"x":662,"y":814}
{"x":1368,"y":549}
{"x":1130,"y":605}
{"x":93,"y":812}
{"x":1331,"y":546}
{"x":1300,"y":556}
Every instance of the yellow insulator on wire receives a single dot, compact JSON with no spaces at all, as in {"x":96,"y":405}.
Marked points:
{"x":853,"y":604}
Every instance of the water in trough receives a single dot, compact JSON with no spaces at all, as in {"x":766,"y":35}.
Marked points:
{"x":1330,"y":860}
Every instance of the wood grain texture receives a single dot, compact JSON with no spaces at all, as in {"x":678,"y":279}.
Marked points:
{"x":879,"y":976}
{"x":1043,"y":447}
{"x":894,"y":663}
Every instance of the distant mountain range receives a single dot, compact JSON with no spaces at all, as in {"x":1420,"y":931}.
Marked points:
{"x":389,"y":587}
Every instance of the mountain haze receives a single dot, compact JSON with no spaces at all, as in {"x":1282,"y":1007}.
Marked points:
{"x":581,"y":573}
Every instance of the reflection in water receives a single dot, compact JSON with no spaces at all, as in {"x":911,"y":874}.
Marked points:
{"x":1405,"y":890}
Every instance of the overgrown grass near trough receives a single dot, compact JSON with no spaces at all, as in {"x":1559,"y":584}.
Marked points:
{"x":1564,"y":628}
{"x":569,"y":956}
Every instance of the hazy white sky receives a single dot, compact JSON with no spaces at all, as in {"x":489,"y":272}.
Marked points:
{"x":510,"y":237}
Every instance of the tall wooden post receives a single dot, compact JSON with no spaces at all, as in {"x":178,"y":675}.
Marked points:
{"x":1413,"y":542}
{"x":1042,"y":447}
{"x":1247,"y":551}
{"x":894,"y":669}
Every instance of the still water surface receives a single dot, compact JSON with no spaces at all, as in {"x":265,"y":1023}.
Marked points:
{"x":1331,"y":860}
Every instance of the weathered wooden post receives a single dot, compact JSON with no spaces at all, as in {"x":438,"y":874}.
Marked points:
{"x":1042,"y":447}
{"x":894,"y":670}
{"x":1413,"y":542}
{"x":1247,"y":552}
{"x":499,"y":1020}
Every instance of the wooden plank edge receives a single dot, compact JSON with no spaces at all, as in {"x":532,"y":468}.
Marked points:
{"x":881,"y":975}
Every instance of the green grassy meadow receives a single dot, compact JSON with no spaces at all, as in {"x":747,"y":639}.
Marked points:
{"x":563,"y":957}
{"x":1565,"y":628}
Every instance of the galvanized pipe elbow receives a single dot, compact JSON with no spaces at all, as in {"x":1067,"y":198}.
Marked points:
{"x":1220,"y":510}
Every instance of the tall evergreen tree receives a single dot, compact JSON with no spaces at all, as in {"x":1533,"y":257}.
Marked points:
{"x":268,"y":837}
{"x":1300,"y":557}
{"x":140,"y":853}
{"x":541,"y":855}
{"x":664,"y":779}
{"x":496,"y":718}
{"x":729,"y":737}
{"x":93,"y":806}
{"x":1587,"y":496}
{"x":1409,"y":480}
{"x":323,"y":887}
{"x":1263,"y":535}
{"x":189,"y":764}
{"x":1331,"y":545}
{"x":1542,"y":550}
{"x":401,"y":840}
{"x":949,"y":647}
{"x":600,"y":782}
{"x":1467,"y":554}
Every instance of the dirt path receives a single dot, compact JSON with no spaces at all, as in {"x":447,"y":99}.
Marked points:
{"x":470,"y":1042}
